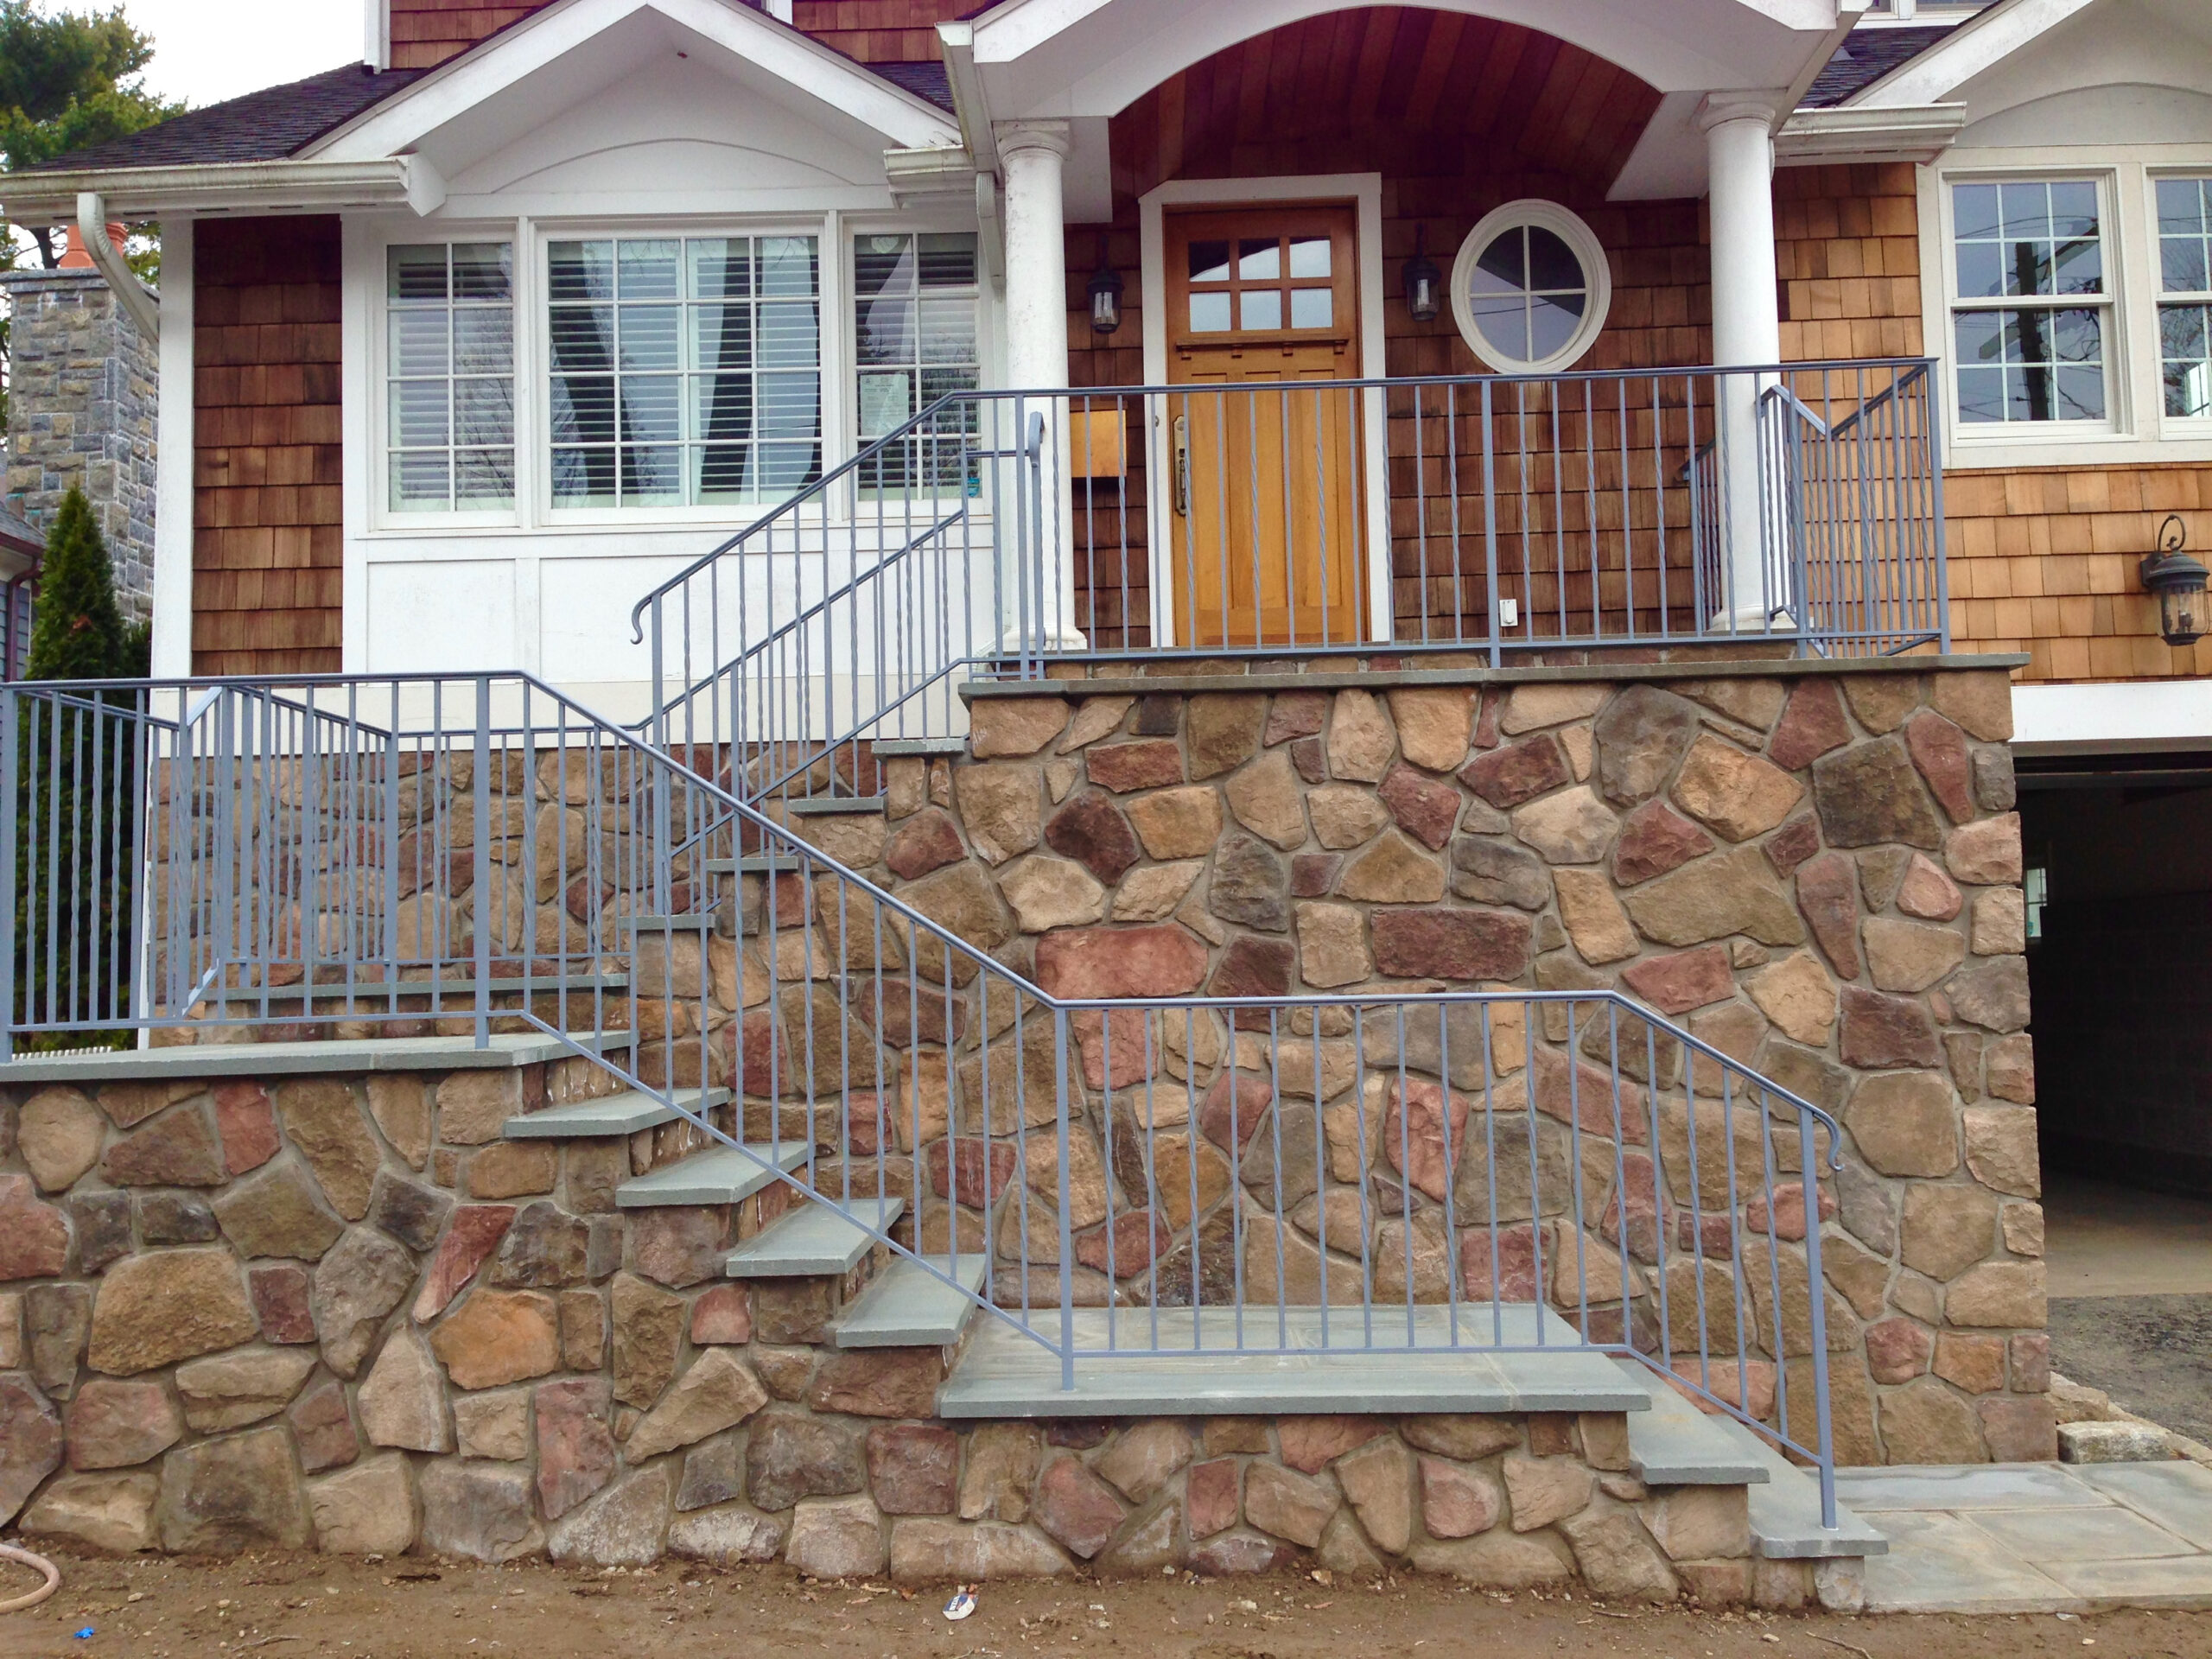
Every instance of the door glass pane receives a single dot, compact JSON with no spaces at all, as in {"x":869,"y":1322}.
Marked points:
{"x":1259,"y":261}
{"x":1313,"y":307}
{"x":1208,"y":314}
{"x":1209,"y":262}
{"x":1260,"y":308}
{"x":1309,"y":256}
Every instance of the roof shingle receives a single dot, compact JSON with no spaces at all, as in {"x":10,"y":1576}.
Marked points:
{"x":263,"y":126}
{"x":1865,"y":57}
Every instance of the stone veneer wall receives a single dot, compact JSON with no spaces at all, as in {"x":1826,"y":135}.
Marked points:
{"x":337,"y":1310}
{"x":1816,"y":872}
{"x":81,"y":397}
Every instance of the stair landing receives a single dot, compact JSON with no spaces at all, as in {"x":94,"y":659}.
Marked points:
{"x":1004,"y":1372}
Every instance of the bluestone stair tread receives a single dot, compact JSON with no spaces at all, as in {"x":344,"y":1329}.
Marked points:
{"x":717,"y":1175}
{"x":910,"y":1306}
{"x":893,"y":748}
{"x":623,"y":1114}
{"x":756,"y":864}
{"x":820,"y":806}
{"x":1674,"y":1443}
{"x":819,"y":1237}
{"x":1127,"y":1367}
{"x":699,"y":922}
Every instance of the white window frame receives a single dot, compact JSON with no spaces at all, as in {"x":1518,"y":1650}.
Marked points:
{"x":383,"y":516}
{"x":2136,"y":429}
{"x":2110,"y":303}
{"x":1534,"y":213}
{"x":851,"y":226}
{"x":835,"y":290}
{"x":2198,"y":427}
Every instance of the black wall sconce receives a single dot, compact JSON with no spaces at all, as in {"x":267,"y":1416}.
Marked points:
{"x":1424,"y":282}
{"x":2178,"y":582}
{"x":1105,"y":295}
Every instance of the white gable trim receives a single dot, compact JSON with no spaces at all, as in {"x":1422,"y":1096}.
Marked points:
{"x":1986,"y":39}
{"x":905,"y":120}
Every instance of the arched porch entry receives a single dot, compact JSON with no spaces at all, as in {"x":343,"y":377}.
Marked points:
{"x":1347,"y":143}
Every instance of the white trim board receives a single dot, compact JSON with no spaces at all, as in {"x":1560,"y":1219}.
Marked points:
{"x":176,"y":440}
{"x":1364,"y":192}
{"x":2118,"y":715}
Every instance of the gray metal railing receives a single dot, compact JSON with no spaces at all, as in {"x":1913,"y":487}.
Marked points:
{"x":1111,"y":1176}
{"x":1507,"y":517}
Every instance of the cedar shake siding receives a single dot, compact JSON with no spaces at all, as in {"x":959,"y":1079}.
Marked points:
{"x":268,"y":465}
{"x":425,"y":33}
{"x":880,"y":31}
{"x":2043,"y":560}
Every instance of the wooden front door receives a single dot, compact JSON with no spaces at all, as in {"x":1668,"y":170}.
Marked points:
{"x":1263,"y":517}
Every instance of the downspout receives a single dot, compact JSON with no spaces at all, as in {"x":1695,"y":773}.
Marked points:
{"x":145,"y":309}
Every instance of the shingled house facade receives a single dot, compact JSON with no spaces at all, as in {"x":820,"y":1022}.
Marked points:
{"x":1617,"y":510}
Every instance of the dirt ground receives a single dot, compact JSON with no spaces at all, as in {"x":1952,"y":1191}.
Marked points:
{"x":413,"y":1609}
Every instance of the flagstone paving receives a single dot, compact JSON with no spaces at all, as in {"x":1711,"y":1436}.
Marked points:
{"x":2023,"y":1538}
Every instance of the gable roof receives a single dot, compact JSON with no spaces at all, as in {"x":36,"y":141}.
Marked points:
{"x":263,"y":126}
{"x":279,"y":122}
{"x":1865,"y":57}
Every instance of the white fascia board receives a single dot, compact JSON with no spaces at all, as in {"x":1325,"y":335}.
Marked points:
{"x":1974,"y":46}
{"x":905,"y":120}
{"x":2114,"y":716}
{"x":286,"y":186}
{"x":1813,"y":137}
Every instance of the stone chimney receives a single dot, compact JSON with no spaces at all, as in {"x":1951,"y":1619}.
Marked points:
{"x":81,"y":383}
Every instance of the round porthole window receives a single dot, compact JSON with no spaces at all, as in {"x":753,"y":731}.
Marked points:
{"x":1530,"y":288}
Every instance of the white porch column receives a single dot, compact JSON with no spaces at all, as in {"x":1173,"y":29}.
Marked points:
{"x":1031,"y":154}
{"x":1746,"y":329}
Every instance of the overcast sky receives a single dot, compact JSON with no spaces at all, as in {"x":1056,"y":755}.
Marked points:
{"x":205,"y":51}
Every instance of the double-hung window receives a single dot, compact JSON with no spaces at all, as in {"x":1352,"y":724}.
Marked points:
{"x":2032,"y":309}
{"x":914,"y":300}
{"x":686,"y":371}
{"x":449,"y":324}
{"x":2184,"y":209}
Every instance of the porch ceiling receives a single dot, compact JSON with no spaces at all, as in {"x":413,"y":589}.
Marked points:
{"x":1076,"y":58}
{"x":1422,"y":92}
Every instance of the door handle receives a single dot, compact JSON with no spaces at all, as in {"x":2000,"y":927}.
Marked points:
{"x":1183,"y":466}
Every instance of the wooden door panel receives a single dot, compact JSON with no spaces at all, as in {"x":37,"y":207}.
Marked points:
{"x":1265,"y":540}
{"x":1266,"y":512}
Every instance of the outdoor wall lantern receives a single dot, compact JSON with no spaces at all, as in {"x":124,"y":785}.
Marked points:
{"x":2178,"y":582}
{"x":1105,"y":295}
{"x":1424,"y":282}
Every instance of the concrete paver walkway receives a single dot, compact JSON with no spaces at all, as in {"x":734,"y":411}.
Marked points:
{"x":2036,"y":1537}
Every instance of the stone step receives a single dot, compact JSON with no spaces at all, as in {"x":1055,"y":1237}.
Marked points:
{"x":1127,"y":1367}
{"x":717,"y":1175}
{"x":697,"y":922}
{"x":894,"y":747}
{"x":823,"y":806}
{"x":373,"y":992}
{"x":1786,"y":1512}
{"x":754,"y":864}
{"x":823,"y":1238}
{"x":1785,"y":1498}
{"x":909,"y":1306}
{"x":1674,"y":1443}
{"x":623,"y":1114}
